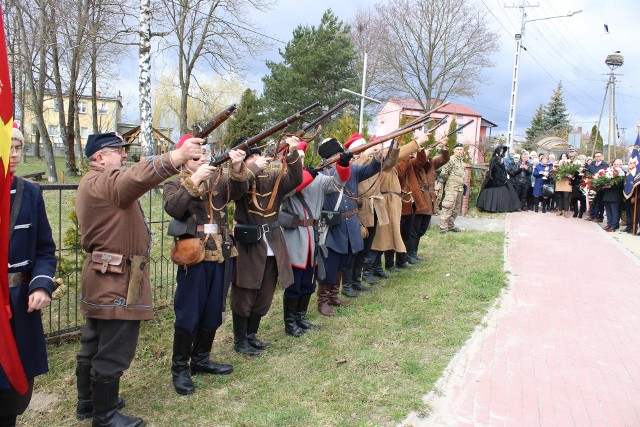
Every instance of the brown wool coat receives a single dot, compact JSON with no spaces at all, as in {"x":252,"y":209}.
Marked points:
{"x":111,"y":220}
{"x":418,"y":175}
{"x":182,"y":199}
{"x":252,"y":258}
{"x":388,"y":236}
{"x":369,"y":191}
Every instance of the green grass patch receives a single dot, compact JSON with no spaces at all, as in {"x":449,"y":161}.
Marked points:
{"x":369,"y":365}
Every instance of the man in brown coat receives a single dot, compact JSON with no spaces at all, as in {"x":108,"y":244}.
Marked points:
{"x":418,"y":179}
{"x":262,"y":262}
{"x":116,"y":290}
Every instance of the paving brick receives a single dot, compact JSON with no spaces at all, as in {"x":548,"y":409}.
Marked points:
{"x":562,"y":347}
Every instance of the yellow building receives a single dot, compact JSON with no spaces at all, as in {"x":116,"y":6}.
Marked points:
{"x":109,"y":116}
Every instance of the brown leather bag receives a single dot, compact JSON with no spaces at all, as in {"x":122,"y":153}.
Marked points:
{"x":188,"y":251}
{"x":106,"y":262}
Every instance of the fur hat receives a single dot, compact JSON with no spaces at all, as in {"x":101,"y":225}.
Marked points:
{"x":329,"y":147}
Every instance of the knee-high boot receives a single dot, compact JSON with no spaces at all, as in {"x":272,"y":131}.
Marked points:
{"x":252,"y":331}
{"x":200,"y":362}
{"x":240,"y":341}
{"x":357,"y":283}
{"x":324,"y":293}
{"x":334,"y":299}
{"x":347,"y":283}
{"x":291,"y":327}
{"x":105,"y":406}
{"x":301,"y":313}
{"x":180,"y":373}
{"x":84,"y":408}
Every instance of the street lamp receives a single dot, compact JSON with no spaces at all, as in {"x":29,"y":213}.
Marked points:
{"x":362,"y":96}
{"x":516,"y":70}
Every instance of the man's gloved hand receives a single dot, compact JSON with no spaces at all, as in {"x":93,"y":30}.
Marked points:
{"x":345,"y":158}
{"x":313,"y":172}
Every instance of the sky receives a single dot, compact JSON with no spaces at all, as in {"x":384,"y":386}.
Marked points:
{"x":568,"y":49}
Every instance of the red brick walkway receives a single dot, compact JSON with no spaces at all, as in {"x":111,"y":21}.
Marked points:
{"x":562,"y":346}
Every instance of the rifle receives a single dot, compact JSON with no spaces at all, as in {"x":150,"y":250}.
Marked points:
{"x":220,"y":159}
{"x":395,"y":134}
{"x":423,"y":117}
{"x":301,"y":133}
{"x":204,"y":130}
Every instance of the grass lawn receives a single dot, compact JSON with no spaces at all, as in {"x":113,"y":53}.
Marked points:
{"x":369,"y":365}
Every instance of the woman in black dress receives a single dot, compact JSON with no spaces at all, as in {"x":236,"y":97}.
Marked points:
{"x":498,"y":193}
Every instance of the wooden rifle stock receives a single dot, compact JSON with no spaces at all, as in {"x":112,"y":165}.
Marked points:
{"x":220,"y":159}
{"x":395,"y":134}
{"x":205,"y":129}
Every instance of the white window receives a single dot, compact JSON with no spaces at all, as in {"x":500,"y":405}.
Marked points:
{"x":82,"y":107}
{"x":84,"y":133}
{"x":34,"y":129}
{"x":102,"y":108}
{"x":56,"y":105}
{"x":54,"y":130}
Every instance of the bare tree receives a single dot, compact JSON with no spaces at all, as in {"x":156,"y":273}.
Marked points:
{"x":217,"y":33}
{"x":33,"y":24}
{"x":431,"y":50}
{"x":365,"y":38}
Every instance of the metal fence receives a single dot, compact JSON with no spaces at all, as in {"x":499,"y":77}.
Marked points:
{"x":63,"y":316}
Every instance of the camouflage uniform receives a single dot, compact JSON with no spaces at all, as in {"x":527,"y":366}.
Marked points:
{"x":452,"y":176}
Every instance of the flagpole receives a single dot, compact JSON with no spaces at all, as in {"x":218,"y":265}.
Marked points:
{"x":635,"y":210}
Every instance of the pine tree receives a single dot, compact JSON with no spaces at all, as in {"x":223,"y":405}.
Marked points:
{"x":316,"y":64}
{"x":534,"y":131}
{"x":453,"y":138}
{"x":555,"y":119}
{"x":599,"y":143}
{"x":248,"y":120}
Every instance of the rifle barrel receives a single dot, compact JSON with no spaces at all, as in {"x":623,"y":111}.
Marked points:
{"x":212,"y":124}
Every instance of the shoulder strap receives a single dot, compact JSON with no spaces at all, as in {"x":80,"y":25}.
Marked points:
{"x":17,"y":202}
{"x":304,"y":203}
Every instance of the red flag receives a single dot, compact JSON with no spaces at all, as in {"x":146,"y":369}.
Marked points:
{"x":9,"y":357}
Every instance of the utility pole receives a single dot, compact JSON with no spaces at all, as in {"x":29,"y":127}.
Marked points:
{"x":516,"y":67}
{"x":613,"y":61}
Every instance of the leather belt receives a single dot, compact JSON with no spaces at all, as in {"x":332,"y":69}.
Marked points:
{"x":269,"y":226}
{"x":391,"y":192}
{"x":309,"y":222}
{"x":347,"y":215}
{"x":17,"y":279}
{"x":218,"y":229}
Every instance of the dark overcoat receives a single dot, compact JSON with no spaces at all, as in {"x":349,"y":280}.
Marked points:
{"x":31,"y":252}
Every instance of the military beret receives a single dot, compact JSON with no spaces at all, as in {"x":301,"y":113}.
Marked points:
{"x":98,"y":141}
{"x":458,"y":144}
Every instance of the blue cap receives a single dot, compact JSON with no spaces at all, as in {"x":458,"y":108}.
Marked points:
{"x":97,"y":141}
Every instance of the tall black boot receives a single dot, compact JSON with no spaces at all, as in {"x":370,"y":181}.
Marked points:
{"x":301,"y":313}
{"x":377,"y":267}
{"x":357,"y":283}
{"x":367,"y":274}
{"x":347,"y":283}
{"x":252,"y":330}
{"x":240,"y":341}
{"x":180,"y":373}
{"x":105,"y":406}
{"x":84,"y":407}
{"x":200,"y":362}
{"x":290,"y":305}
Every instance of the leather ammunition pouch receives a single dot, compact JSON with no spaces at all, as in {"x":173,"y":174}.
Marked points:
{"x":331,"y":217}
{"x":106,"y":262}
{"x":247,"y":233}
